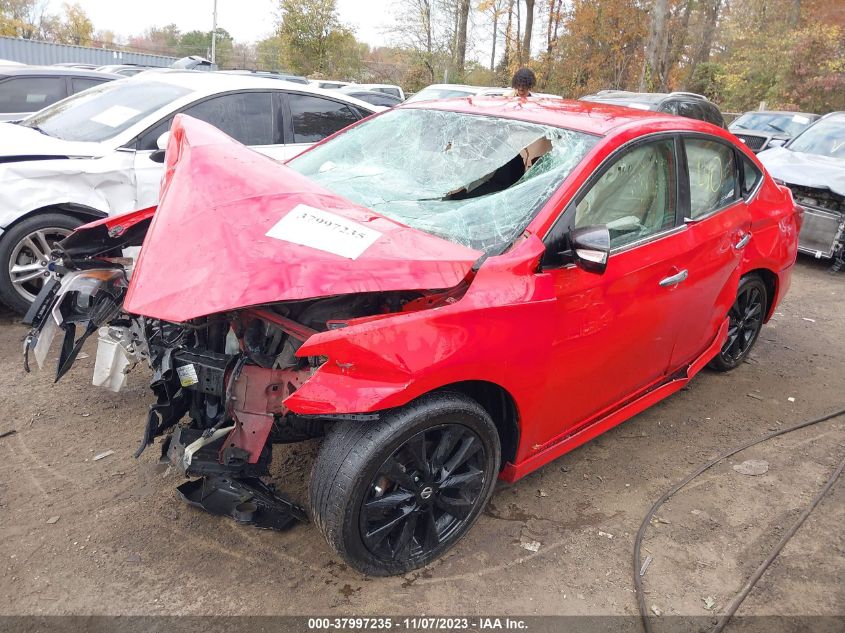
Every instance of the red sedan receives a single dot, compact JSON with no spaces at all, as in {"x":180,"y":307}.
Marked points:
{"x":447,"y":294}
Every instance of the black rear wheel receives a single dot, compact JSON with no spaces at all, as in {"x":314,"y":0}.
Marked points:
{"x":746,"y":320}
{"x":392,"y":496}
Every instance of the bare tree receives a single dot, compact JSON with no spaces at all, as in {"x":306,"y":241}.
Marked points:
{"x":525,"y":53}
{"x":494,"y":9}
{"x":414,"y":29}
{"x":509,"y":34}
{"x":653,"y":75}
{"x":710,"y":17}
{"x":461,"y":37}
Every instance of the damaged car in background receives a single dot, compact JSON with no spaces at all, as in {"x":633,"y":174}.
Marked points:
{"x":99,"y":153}
{"x":812,"y":165}
{"x":447,"y":294}
{"x":762,"y":129}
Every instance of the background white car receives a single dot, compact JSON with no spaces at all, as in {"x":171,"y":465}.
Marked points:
{"x":92,"y":154}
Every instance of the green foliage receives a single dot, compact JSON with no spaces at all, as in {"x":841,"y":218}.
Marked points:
{"x":705,"y":80}
{"x":787,"y":62}
{"x":311,"y":40}
{"x":199,"y":43}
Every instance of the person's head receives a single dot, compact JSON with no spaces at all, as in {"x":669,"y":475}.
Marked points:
{"x":523,"y":81}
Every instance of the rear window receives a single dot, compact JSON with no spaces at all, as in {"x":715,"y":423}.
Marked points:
{"x":78,"y":84}
{"x":30,"y":94}
{"x":433,"y":94}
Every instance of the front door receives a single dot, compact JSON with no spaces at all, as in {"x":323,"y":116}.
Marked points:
{"x":614,"y":333}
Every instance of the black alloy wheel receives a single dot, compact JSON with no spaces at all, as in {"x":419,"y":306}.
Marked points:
{"x":423,"y":493}
{"x":746,"y":320}
{"x":392,"y":495}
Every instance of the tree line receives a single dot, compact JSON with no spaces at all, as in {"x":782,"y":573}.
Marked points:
{"x":788,"y":53}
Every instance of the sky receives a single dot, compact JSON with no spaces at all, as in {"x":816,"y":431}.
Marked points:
{"x":246,"y":20}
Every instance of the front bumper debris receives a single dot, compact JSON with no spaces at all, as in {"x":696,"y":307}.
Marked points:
{"x":245,"y":500}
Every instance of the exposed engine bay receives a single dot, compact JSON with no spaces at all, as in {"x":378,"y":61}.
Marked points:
{"x":220,"y":382}
{"x":823,"y":232}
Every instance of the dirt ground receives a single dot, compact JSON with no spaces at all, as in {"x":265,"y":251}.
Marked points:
{"x":79,"y":536}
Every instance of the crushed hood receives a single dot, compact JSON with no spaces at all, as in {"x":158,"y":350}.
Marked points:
{"x":236,"y":229}
{"x":807,"y":170}
{"x":18,"y":142}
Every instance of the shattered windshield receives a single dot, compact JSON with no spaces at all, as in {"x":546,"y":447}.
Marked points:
{"x":474,"y":180}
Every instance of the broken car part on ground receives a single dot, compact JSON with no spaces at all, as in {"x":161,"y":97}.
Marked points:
{"x":469,"y":305}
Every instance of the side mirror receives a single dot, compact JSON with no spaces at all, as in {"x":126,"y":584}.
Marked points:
{"x":776,"y":142}
{"x":590,"y":247}
{"x":161,"y":142}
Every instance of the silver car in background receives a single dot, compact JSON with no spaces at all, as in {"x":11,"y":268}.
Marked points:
{"x":99,"y":152}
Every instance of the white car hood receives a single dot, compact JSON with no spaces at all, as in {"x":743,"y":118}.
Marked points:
{"x":27,"y":143}
{"x":807,"y":170}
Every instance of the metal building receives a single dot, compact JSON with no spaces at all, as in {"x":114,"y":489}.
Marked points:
{"x":46,"y":53}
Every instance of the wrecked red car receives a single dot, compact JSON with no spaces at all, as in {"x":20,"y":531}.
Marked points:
{"x":447,"y":294}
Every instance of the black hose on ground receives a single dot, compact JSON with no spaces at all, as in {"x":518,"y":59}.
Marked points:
{"x":723,"y":620}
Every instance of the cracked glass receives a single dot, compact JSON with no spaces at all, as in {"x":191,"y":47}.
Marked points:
{"x":471,"y":179}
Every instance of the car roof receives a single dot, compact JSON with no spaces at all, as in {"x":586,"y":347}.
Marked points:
{"x":457,"y":87}
{"x":201,"y":82}
{"x":834,"y":115}
{"x":54,"y":71}
{"x":378,"y":85}
{"x":583,"y":116}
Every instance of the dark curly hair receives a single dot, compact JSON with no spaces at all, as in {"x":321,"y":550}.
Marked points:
{"x":523,"y":78}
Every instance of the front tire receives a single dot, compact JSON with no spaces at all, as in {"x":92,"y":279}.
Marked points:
{"x":24,"y":255}
{"x":746,"y":320}
{"x":392,"y":496}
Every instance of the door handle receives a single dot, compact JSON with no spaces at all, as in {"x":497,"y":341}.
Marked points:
{"x":674,"y":280}
{"x":743,"y":241}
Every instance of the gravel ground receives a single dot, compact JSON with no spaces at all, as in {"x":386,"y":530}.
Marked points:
{"x":110,"y":536}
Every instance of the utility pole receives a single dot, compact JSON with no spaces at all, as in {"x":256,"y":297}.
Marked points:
{"x":214,"y":34}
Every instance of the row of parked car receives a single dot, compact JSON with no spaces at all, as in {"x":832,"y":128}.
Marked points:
{"x":97,"y":151}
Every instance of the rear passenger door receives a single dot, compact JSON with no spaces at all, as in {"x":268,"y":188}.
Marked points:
{"x":309,"y":119}
{"x":718,"y":229}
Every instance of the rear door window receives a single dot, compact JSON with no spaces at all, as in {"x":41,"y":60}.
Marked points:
{"x":245,"y":116}
{"x":30,"y":94}
{"x":314,"y":118}
{"x":712,"y":175}
{"x":394,"y":92}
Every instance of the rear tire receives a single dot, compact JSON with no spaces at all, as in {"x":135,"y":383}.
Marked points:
{"x":24,"y":254}
{"x":746,"y":320}
{"x":383,"y":494}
